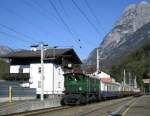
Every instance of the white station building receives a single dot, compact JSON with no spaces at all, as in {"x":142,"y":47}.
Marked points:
{"x":25,"y":67}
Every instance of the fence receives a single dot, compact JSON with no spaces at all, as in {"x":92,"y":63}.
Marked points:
{"x":17,"y":92}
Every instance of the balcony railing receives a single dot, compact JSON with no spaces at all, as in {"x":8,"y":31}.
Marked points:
{"x":16,"y":76}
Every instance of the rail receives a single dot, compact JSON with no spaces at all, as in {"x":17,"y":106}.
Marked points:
{"x":38,"y":111}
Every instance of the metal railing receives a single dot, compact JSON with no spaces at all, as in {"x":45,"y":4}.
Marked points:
{"x":16,"y":76}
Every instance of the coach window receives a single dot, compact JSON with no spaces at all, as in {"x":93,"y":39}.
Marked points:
{"x":107,"y":88}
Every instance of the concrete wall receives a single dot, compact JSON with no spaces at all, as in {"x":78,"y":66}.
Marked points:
{"x":6,"y":99}
{"x":29,"y":105}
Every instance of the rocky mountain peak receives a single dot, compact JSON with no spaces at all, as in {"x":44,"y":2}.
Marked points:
{"x":134,"y":17}
{"x":129,"y":8}
{"x":5,"y":50}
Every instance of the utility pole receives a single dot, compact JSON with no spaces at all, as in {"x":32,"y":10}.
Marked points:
{"x":98,"y":58}
{"x":42,"y":71}
{"x":42,"y":47}
{"x":54,"y":48}
{"x":124,"y":79}
{"x":135,"y":82}
{"x":149,"y":84}
{"x":129,"y":78}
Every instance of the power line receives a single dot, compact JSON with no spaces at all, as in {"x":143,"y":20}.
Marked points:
{"x":16,"y":37}
{"x":73,"y":29}
{"x":44,"y":9}
{"x":93,"y":14}
{"x":62,"y":20}
{"x":23,"y":19}
{"x":67,"y":17}
{"x":41,"y":12}
{"x":20,"y":33}
{"x":31,"y":6}
{"x":86,"y":17}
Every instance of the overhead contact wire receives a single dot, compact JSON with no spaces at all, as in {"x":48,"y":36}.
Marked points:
{"x":94,"y":15}
{"x":86,"y":17}
{"x":66,"y":25}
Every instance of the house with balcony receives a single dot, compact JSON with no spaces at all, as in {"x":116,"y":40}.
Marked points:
{"x":25,"y":68}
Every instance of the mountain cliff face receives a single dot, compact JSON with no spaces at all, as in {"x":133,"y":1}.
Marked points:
{"x":131,"y":30}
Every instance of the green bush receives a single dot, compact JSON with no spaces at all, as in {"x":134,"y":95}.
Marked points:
{"x":4,"y":68}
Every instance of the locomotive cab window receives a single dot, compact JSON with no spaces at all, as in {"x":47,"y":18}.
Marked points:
{"x":70,"y":78}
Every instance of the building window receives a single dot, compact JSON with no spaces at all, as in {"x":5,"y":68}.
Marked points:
{"x":39,"y":69}
{"x":58,"y":84}
{"x":20,"y":70}
{"x":59,"y":72}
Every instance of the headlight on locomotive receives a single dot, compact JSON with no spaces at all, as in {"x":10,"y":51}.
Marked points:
{"x":80,"y":88}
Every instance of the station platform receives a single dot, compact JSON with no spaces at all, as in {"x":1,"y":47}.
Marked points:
{"x":140,"y":107}
{"x":27,"y":105}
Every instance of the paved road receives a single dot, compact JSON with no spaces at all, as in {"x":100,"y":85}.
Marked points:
{"x":141,"y":107}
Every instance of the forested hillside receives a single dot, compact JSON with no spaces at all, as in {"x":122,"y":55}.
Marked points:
{"x":137,"y":63}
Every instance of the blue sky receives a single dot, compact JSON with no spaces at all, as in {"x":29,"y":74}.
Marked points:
{"x":32,"y":21}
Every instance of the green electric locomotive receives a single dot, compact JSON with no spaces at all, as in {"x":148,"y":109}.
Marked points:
{"x":80,"y":89}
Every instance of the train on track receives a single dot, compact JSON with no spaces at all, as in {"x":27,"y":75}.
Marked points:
{"x":83,"y":89}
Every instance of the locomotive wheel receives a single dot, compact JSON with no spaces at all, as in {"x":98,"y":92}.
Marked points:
{"x":83,"y":100}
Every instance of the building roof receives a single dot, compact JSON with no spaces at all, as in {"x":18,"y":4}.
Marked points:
{"x":49,"y":53}
{"x":109,"y":80}
{"x":102,"y":75}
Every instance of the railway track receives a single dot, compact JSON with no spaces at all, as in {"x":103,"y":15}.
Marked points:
{"x":119,"y":108}
{"x":39,"y":111}
{"x":105,"y":108}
